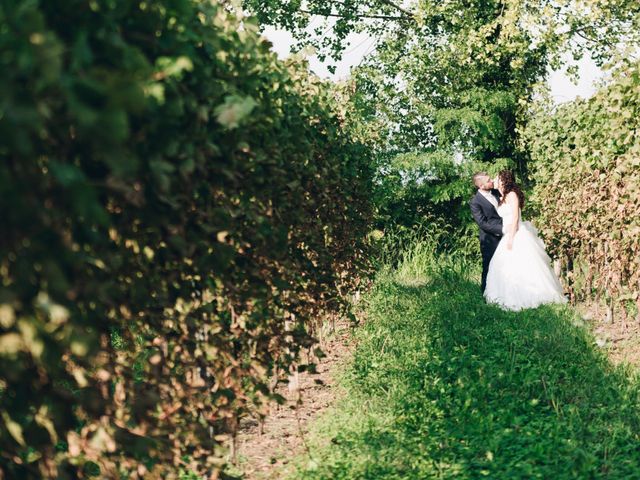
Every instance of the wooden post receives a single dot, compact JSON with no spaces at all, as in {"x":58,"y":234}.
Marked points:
{"x":610,"y":311}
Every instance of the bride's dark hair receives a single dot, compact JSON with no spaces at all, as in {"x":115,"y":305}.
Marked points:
{"x":508,"y":181}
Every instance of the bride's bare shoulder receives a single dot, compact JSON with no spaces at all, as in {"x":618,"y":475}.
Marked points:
{"x":512,"y":197}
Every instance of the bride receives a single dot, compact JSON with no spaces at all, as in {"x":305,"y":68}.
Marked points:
{"x":520,"y":274}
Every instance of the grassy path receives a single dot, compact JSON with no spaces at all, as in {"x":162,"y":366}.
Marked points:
{"x":444,"y":386}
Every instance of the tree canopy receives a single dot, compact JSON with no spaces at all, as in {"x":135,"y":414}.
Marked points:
{"x":453,"y":79}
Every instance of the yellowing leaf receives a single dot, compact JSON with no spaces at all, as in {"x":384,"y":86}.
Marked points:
{"x":11,"y":344}
{"x":149,"y":253}
{"x":14,"y":428}
{"x":79,"y":348}
{"x":7,"y":316}
{"x":42,"y":418}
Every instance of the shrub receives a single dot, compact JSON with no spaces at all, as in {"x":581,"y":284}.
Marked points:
{"x":177,"y":206}
{"x":586,"y":159}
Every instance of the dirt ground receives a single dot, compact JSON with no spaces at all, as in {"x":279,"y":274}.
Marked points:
{"x":267,"y":455}
{"x":619,"y":338}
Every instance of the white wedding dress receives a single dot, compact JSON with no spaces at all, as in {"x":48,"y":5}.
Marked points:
{"x":521,"y":277}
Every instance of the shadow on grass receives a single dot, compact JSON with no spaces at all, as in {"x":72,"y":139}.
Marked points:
{"x":444,"y":386}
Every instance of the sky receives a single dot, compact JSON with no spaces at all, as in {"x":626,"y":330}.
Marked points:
{"x":562,"y":89}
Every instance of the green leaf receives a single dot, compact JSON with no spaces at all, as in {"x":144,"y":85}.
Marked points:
{"x":234,"y":110}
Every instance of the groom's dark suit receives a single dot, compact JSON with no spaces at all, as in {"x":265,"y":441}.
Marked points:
{"x":490,"y":223}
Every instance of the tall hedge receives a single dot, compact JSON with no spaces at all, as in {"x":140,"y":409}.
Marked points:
{"x":177,"y":206}
{"x":586,"y":164}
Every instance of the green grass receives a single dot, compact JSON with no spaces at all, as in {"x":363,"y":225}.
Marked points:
{"x":444,"y":386}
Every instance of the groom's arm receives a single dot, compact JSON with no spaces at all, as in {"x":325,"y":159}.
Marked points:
{"x":493,"y":226}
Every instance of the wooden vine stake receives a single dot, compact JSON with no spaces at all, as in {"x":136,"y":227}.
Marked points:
{"x":294,"y":374}
{"x":610,"y":310}
{"x":637,"y":298}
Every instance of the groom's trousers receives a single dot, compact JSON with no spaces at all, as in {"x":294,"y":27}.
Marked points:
{"x":488,"y":247}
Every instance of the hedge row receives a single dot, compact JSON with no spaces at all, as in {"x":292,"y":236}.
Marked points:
{"x":586,"y":162}
{"x":177,"y":206}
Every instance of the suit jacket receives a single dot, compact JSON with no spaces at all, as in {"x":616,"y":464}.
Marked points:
{"x":487,"y":218}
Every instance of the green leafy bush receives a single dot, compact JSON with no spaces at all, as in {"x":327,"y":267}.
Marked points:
{"x":586,"y":161}
{"x":177,"y":206}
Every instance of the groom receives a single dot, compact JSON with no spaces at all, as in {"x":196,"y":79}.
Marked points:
{"x":484,"y":206}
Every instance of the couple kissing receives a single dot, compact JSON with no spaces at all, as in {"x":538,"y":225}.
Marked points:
{"x":516,"y":270}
